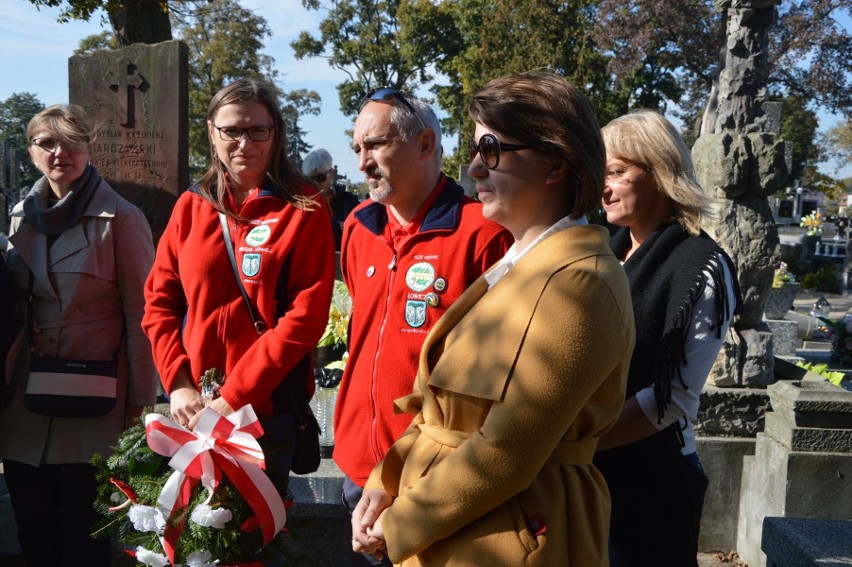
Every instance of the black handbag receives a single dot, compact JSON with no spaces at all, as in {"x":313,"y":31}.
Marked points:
{"x":64,"y":387}
{"x":306,"y":450}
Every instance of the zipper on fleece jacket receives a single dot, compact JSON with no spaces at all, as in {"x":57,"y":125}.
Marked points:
{"x":392,"y":267}
{"x":373,"y":386}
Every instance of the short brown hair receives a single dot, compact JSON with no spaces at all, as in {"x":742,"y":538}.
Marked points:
{"x":542,"y":109}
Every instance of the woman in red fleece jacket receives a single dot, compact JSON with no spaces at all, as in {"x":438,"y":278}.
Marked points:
{"x":195,"y":315}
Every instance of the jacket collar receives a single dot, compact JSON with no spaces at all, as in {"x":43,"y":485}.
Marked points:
{"x":444,"y":214}
{"x":268,"y":190}
{"x":32,"y":245}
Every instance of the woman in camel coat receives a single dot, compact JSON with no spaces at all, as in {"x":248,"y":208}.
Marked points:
{"x":525,"y":372}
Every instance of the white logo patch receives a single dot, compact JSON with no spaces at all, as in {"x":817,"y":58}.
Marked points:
{"x":251,"y":264}
{"x":420,"y":276}
{"x":258,"y":235}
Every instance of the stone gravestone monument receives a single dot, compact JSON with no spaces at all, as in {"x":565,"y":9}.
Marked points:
{"x":10,"y":183}
{"x":137,"y":99}
{"x":741,"y":162}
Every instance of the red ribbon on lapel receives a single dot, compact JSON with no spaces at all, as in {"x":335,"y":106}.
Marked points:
{"x":218,"y":445}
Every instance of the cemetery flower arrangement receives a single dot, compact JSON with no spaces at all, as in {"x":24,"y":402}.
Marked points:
{"x":336,"y":329}
{"x":822,"y":369}
{"x":813,"y":222}
{"x":782,"y":276}
{"x":841,"y":339}
{"x":198,"y":498}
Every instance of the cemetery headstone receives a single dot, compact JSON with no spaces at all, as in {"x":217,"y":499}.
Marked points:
{"x":10,"y":183}
{"x":137,"y":98}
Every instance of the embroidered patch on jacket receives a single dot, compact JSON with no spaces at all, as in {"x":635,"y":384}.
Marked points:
{"x":420,"y":276}
{"x":415,"y":313}
{"x":258,"y":235}
{"x":251,"y":264}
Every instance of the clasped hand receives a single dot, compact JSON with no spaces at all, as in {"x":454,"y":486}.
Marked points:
{"x":185,"y":404}
{"x":367,"y":533}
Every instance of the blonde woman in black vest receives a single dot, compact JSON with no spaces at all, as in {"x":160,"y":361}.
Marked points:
{"x":684,"y":295}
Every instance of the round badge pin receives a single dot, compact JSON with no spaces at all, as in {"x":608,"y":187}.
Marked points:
{"x":258,"y":235}
{"x":420,"y":276}
{"x":440,"y":285}
{"x":370,"y":271}
{"x":432,"y":299}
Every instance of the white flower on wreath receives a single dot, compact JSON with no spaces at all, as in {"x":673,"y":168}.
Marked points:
{"x":148,"y":557}
{"x":146,"y":519}
{"x":208,"y":517}
{"x":200,"y":559}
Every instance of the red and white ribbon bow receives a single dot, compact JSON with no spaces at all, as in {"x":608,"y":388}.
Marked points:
{"x":218,"y":445}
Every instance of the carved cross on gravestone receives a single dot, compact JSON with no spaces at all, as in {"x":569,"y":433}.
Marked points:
{"x":128,"y":80}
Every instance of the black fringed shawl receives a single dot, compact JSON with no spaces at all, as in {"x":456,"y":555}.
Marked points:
{"x":666,"y":279}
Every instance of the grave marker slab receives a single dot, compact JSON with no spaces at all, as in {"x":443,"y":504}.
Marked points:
{"x":137,"y":99}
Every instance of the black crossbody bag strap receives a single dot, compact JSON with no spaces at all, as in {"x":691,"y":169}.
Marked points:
{"x":259,"y":325}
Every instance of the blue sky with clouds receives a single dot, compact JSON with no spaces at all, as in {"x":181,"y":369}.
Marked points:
{"x":34,"y":52}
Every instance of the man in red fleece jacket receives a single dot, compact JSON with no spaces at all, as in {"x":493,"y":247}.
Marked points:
{"x":408,"y":252}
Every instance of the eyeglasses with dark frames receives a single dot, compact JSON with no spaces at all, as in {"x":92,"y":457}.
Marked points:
{"x":255,"y":133}
{"x":388,"y":93}
{"x":321,"y":177}
{"x":50,"y":145}
{"x":489,"y":148}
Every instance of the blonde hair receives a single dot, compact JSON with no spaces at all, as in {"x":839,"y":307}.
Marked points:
{"x":66,"y":122}
{"x":646,"y":138}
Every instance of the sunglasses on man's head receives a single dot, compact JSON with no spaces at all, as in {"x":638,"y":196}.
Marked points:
{"x":388,"y":93}
{"x":489,"y":148}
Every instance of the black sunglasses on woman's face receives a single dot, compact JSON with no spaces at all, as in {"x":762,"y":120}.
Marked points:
{"x":489,"y":148}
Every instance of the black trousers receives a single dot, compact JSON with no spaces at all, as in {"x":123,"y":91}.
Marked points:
{"x":53,"y":507}
{"x":657,"y":501}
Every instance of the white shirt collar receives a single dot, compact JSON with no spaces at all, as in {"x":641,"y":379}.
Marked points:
{"x":513,"y":255}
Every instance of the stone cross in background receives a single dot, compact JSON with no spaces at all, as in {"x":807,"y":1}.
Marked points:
{"x":136,"y":98}
{"x":741,"y":163}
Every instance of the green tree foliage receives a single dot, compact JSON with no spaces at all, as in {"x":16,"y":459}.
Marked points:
{"x":685,"y":38}
{"x":225,"y":43}
{"x":838,"y":141}
{"x":298,"y":102}
{"x":15,"y":113}
{"x":361,"y":38}
{"x":92,"y":43}
{"x":474,"y":41}
{"x":132,"y":21}
{"x":468,"y":42}
{"x":799,"y":130}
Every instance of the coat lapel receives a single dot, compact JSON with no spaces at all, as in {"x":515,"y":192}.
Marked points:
{"x":509,"y":306}
{"x":69,"y":242}
{"x":32,"y":247}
